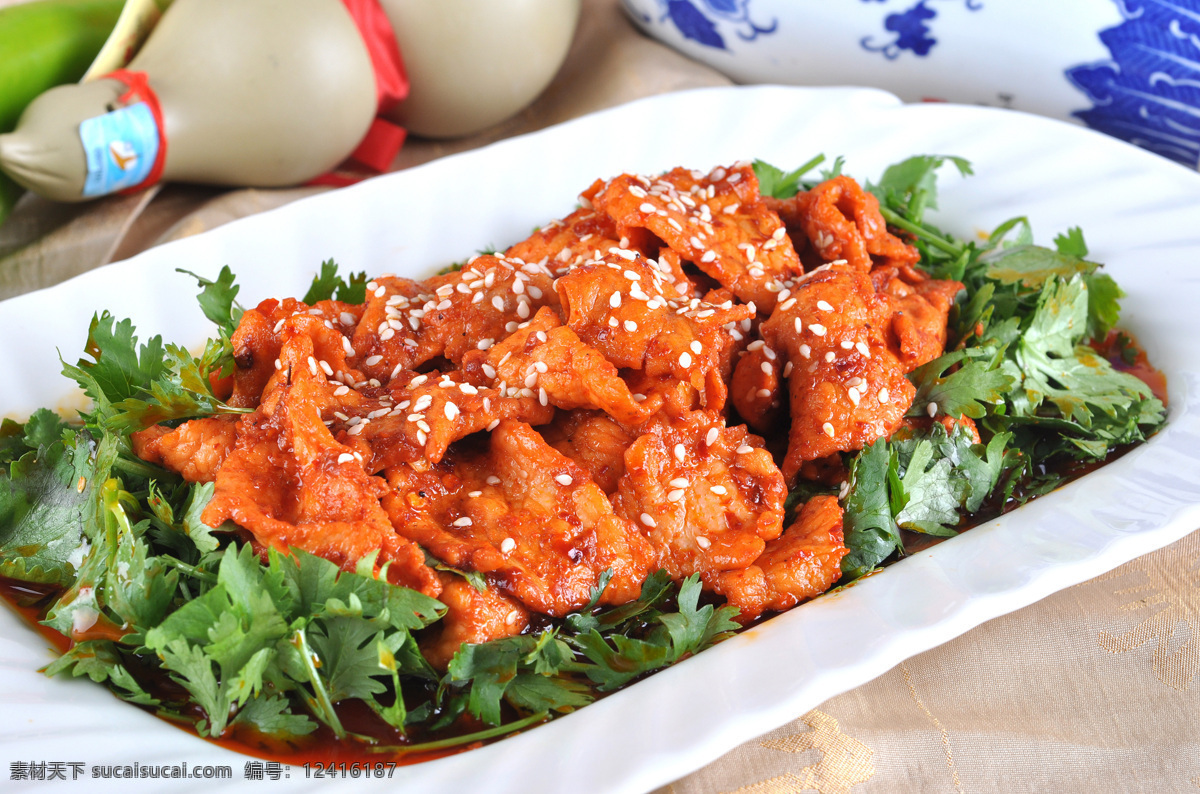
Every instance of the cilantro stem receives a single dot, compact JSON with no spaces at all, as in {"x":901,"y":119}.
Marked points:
{"x":190,"y":570}
{"x":810,"y":165}
{"x":324,"y":708}
{"x":144,"y":470}
{"x":936,"y":241}
{"x":441,"y":744}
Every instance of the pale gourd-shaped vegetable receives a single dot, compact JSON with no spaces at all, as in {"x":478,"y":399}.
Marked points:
{"x":258,"y":93}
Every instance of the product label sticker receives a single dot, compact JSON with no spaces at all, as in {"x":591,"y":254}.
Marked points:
{"x":120,"y":147}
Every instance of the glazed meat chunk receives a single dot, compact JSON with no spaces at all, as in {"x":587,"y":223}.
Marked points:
{"x":920,"y":309}
{"x":707,"y":496}
{"x":581,"y":236}
{"x":422,"y":417}
{"x":262,"y":330}
{"x":545,"y":360}
{"x":524,"y":515}
{"x":471,"y":616}
{"x":465,"y":310}
{"x":624,"y":309}
{"x":595,"y":441}
{"x":718,"y":221}
{"x":805,"y":561}
{"x":842,"y":221}
{"x":289,"y":483}
{"x":195,"y":450}
{"x":846,"y":388}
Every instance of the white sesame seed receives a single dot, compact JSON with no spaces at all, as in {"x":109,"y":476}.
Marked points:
{"x":493,"y":425}
{"x":824,"y":306}
{"x":679,"y":482}
{"x":675,"y":495}
{"x":680,"y":452}
{"x":745,"y":449}
{"x":799,"y":326}
{"x":498,"y":303}
{"x":345,"y":457}
{"x":711,"y":436}
{"x":708,"y":256}
{"x":451,"y":411}
{"x":702,"y":542}
{"x":543,"y":398}
{"x":830,"y":356}
{"x":421,"y":437}
{"x":719,"y":490}
{"x":341,"y":390}
{"x":373,"y":360}
{"x":828,"y":428}
{"x":388,"y":334}
{"x":884,"y":398}
{"x":465,"y":521}
{"x":817,"y":329}
{"x":787,"y":369}
{"x":696,"y":347}
{"x":379,"y":293}
{"x":278,"y":364}
{"x":755,"y":345}
{"x":854,"y":396}
{"x":523,"y":309}
{"x":312,"y":365}
{"x":647,"y":519}
{"x":768,"y":368}
{"x":769,"y":353}
{"x":763,"y":393}
{"x":685,"y":359}
{"x":931,"y":409}
{"x":630,"y":326}
{"x":564,"y":479}
{"x":778,"y":233}
{"x":787,"y":304}
{"x":846,"y":344}
{"x":493,"y":479}
{"x":507,"y":545}
{"x":647,"y":207}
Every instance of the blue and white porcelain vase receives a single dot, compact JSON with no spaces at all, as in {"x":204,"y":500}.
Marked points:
{"x":1129,"y":68}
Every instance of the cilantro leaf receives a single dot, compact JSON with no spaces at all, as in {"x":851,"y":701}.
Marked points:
{"x":694,"y":628}
{"x":910,"y":186}
{"x":1071,"y":243}
{"x":967,"y":391}
{"x":327,"y":285}
{"x":218,"y":299}
{"x":272,"y":716}
{"x":43,"y":504}
{"x":1032,"y":266}
{"x":870,"y":530}
{"x":775,"y":183}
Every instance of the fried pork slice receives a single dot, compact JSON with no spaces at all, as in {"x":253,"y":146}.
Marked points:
{"x":708,"y":497}
{"x":594,"y":440}
{"x":842,"y":221}
{"x":419,"y":418}
{"x":584,"y":234}
{"x":471,"y":616}
{"x":262,"y":330}
{"x":452,"y":313}
{"x":805,"y":561}
{"x":920,"y":309}
{"x":547,"y":360}
{"x":290,"y":484}
{"x":524,"y":515}
{"x":755,"y":388}
{"x":195,"y":450}
{"x":846,"y":388}
{"x":717,"y":221}
{"x":626,"y":310}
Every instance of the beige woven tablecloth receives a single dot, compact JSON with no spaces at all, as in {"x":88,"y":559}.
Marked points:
{"x":1096,"y":688}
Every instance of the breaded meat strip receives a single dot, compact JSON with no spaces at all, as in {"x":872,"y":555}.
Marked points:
{"x":920,"y":309}
{"x":262,"y":330}
{"x":195,"y":450}
{"x":626,"y":310}
{"x":802,"y":563}
{"x":548,"y":362}
{"x":471,"y":616}
{"x":450,"y":314}
{"x":707,"y":496}
{"x":718,"y":221}
{"x":420,"y":415}
{"x":524,"y":515}
{"x":845,"y":387}
{"x":289,"y":483}
{"x":842,"y":221}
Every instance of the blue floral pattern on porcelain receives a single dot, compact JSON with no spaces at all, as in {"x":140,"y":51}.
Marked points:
{"x":1149,"y":92}
{"x":695,"y":24}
